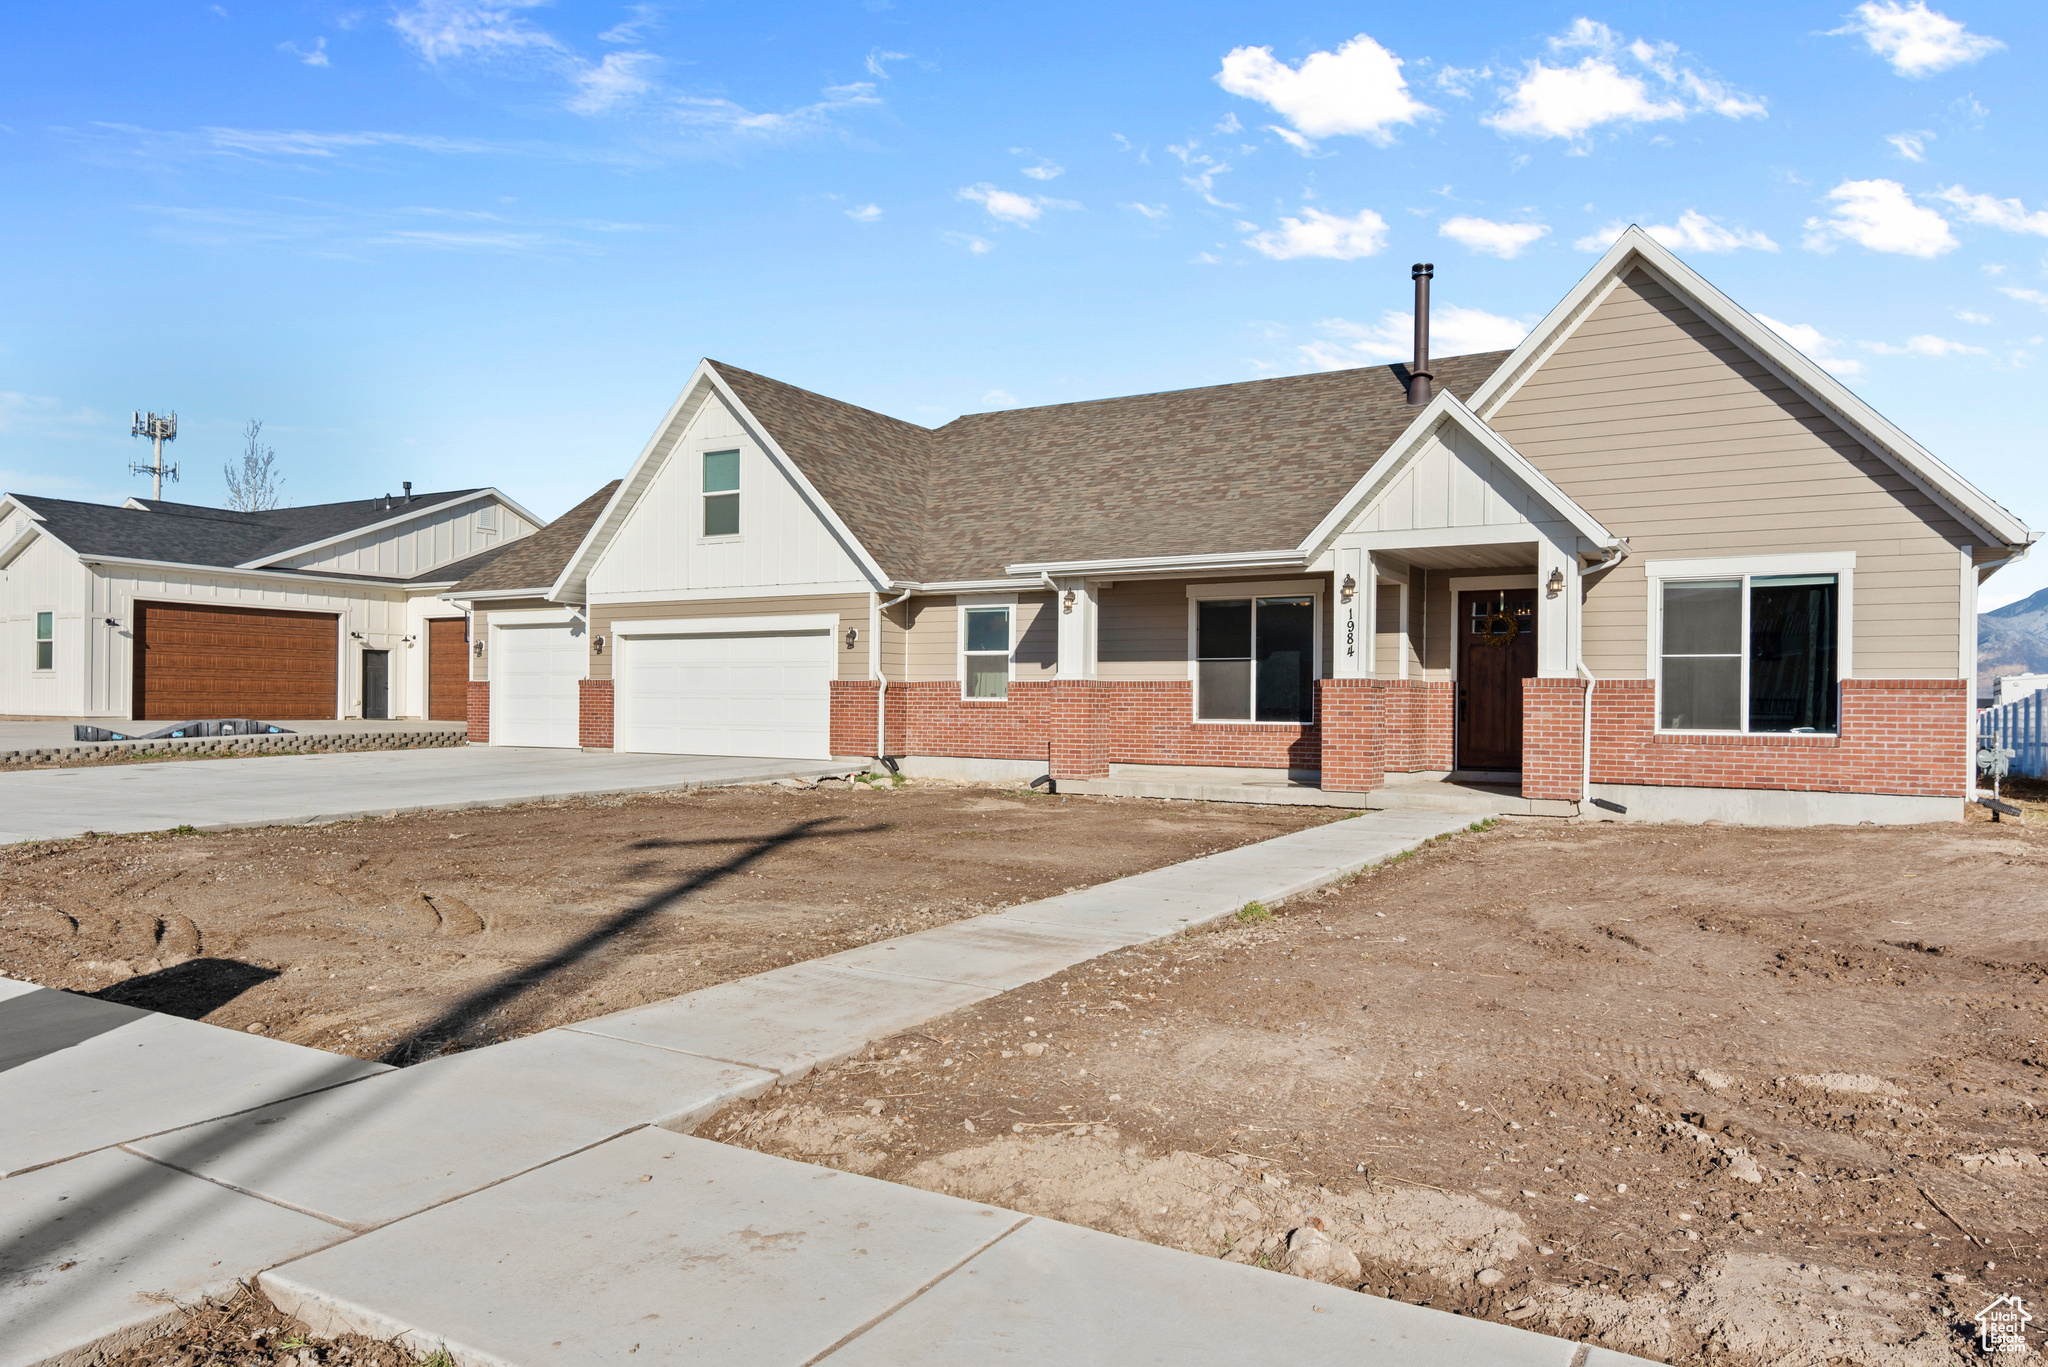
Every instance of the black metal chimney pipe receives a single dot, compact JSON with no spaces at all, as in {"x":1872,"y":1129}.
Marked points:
{"x":1418,"y":373}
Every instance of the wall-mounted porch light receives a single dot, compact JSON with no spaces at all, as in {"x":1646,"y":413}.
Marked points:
{"x":1349,"y":588}
{"x":852,"y":635}
{"x":1556,"y":584}
{"x":1067,"y":601}
{"x":597,"y":645}
{"x":479,"y":650}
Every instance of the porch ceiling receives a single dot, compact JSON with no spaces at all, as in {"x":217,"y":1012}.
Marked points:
{"x":1508,"y":555}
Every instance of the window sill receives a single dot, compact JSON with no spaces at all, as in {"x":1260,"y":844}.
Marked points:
{"x":983,"y":701}
{"x":1221,"y":721}
{"x":1766,"y":739}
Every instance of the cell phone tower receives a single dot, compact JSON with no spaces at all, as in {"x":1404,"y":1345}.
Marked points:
{"x":159,"y":430}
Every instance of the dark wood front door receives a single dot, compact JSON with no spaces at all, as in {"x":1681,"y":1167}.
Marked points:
{"x":1496,"y":651}
{"x":448,"y":669}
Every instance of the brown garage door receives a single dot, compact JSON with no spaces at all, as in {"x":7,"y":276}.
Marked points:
{"x":447,"y":669}
{"x":195,"y":662}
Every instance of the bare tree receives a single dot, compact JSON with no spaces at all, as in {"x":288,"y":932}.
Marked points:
{"x":256,"y":487}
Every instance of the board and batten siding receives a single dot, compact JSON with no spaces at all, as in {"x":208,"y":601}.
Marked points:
{"x":784,"y":545}
{"x":850,"y":608}
{"x":417,"y":546}
{"x":1670,"y":434}
{"x":44,"y":577}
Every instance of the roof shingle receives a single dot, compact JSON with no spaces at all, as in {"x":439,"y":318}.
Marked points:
{"x":533,"y":562}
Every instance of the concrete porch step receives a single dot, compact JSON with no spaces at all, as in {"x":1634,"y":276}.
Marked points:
{"x":1277,"y":792}
{"x":1477,"y":799}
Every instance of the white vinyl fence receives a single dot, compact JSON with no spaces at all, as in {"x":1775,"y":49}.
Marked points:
{"x":2018,"y":727}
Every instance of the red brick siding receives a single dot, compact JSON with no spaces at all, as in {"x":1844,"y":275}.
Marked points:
{"x":1417,"y":717}
{"x":479,"y":712}
{"x":594,"y":714}
{"x":936,"y":720}
{"x":1903,"y":736}
{"x":1553,"y":738}
{"x":853,"y":716}
{"x":1353,"y":713}
{"x":1152,"y":722}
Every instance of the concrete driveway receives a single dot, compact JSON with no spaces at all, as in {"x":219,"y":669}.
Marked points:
{"x":47,"y":804}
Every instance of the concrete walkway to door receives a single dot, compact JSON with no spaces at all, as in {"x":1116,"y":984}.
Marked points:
{"x":273,"y":790}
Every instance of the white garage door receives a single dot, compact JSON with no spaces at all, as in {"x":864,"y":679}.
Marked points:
{"x":764,"y":693}
{"x":534,"y":684}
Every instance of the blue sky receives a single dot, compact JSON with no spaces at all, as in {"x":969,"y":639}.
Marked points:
{"x":459,"y":242}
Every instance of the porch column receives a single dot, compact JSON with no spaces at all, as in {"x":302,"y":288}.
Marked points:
{"x":1353,"y":627}
{"x":1557,"y":611}
{"x":1075,"y":606}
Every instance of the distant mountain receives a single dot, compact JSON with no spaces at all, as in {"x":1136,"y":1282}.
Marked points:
{"x":2012,"y":640}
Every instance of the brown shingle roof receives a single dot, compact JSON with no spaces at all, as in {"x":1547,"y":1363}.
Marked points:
{"x":1237,"y":467}
{"x":533,"y":562}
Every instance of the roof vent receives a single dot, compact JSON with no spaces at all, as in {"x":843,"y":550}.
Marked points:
{"x":1418,"y":373}
{"x":408,"y":491}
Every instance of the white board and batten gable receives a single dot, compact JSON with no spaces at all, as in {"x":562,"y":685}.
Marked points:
{"x":650,"y":546}
{"x":414,"y":542}
{"x":1451,"y":493}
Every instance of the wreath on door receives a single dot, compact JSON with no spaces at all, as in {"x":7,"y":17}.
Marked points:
{"x":1499,"y":629}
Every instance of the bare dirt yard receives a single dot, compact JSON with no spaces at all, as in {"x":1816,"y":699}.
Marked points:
{"x":1703,"y":1094}
{"x":409,"y":936}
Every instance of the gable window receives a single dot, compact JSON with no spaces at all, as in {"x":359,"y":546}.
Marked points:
{"x":46,"y":640}
{"x":985,"y":641}
{"x":1255,"y":658}
{"x":1751,"y":652}
{"x":721,"y":493}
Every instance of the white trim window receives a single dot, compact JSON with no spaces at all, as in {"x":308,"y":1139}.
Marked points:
{"x":1255,"y":652}
{"x":46,"y":641}
{"x":1759,"y":647}
{"x":721,"y":493}
{"x":987,"y":650}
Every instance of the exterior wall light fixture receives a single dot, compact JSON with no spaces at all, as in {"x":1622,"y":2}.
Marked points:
{"x":1067,"y":601}
{"x":479,"y":651}
{"x":1556,"y":584}
{"x":852,"y":635}
{"x":597,"y":645}
{"x":1350,"y":588}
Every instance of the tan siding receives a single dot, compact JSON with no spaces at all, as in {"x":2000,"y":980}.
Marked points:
{"x":1439,"y":612}
{"x":1142,"y":627}
{"x":1387,"y":644}
{"x":1672,"y":436}
{"x":851,"y":608}
{"x":934,"y":640}
{"x":1038,"y":637}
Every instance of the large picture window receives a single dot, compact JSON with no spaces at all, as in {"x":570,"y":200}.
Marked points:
{"x":1255,"y":659}
{"x":1756,"y":653}
{"x":985,"y":652}
{"x":721,"y":493}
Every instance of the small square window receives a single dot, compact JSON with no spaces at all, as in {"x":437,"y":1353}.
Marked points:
{"x":46,"y":640}
{"x":985,"y":653}
{"x":721,"y":493}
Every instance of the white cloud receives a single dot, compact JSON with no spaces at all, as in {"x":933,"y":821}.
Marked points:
{"x":1818,"y":347}
{"x":1002,"y":398}
{"x":2025,"y":296}
{"x":1459,"y":80}
{"x":438,"y":29}
{"x":1155,"y":212}
{"x":864,"y":213}
{"x":1966,"y":316}
{"x":1045,"y":170}
{"x":1570,"y":101}
{"x":1912,"y":146}
{"x":1916,"y":40}
{"x":1878,"y":214}
{"x":316,"y":57}
{"x":618,"y":79}
{"x":632,"y":30}
{"x":1005,"y":206}
{"x":1228,"y":124}
{"x":1453,"y":331}
{"x":976,"y":246}
{"x":723,"y":115}
{"x":1694,"y":232}
{"x":2009,"y":214}
{"x":1317,"y":233}
{"x":1504,"y":240}
{"x":1202,"y":172}
{"x":1925,"y":345}
{"x":1358,"y":90}
{"x":878,"y":62}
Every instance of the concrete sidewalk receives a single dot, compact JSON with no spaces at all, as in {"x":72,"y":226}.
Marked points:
{"x":49,"y":804}
{"x":537,"y":1202}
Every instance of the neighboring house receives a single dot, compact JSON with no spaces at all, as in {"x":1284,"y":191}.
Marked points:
{"x":171,"y":612}
{"x":1652,"y":559}
{"x":528,"y":655}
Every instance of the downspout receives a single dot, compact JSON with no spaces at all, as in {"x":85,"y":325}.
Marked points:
{"x":1614,"y":556}
{"x":882,"y":675}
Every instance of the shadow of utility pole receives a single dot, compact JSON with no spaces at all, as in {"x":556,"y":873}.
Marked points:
{"x":458,"y":1020}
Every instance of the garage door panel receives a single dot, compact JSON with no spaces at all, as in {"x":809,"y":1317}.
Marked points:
{"x":534,"y":685}
{"x":759,"y":693}
{"x":197,"y":661}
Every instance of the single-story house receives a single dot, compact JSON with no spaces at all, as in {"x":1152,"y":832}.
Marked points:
{"x":1653,"y":560}
{"x":156,"y":610}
